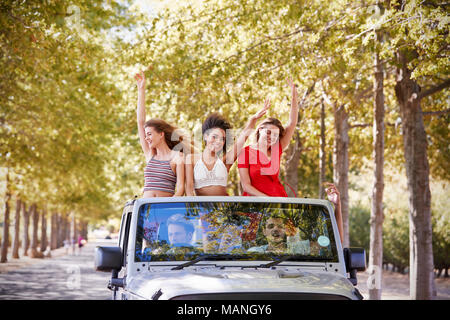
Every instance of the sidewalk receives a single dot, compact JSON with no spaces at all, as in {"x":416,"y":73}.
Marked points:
{"x":60,"y":277}
{"x":14,"y":264}
{"x":395,"y":286}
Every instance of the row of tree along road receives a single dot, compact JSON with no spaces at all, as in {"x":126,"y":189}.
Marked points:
{"x":374,"y":77}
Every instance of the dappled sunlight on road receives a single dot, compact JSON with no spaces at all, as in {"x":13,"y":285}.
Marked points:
{"x":395,"y":286}
{"x":66,"y":277}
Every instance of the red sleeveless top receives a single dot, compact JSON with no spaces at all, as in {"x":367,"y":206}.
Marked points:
{"x":263,"y":172}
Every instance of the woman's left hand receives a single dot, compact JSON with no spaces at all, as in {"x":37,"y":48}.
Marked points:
{"x":333,"y":193}
{"x":260,"y":113}
{"x":293,"y":87}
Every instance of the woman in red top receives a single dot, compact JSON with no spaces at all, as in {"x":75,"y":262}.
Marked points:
{"x":259,"y":165}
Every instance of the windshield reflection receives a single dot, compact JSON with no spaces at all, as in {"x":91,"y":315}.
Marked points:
{"x":255,"y":231}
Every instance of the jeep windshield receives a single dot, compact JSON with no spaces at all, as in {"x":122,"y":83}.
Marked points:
{"x":183,"y":231}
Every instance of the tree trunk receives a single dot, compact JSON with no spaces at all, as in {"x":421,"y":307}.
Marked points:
{"x":58,"y":230}
{"x":5,"y":236}
{"x":34,"y":232}
{"x":44,"y":231}
{"x":61,"y":231}
{"x":341,"y":164}
{"x":74,"y":233}
{"x":53,"y":232}
{"x":322,"y":154}
{"x":293,"y":158}
{"x":377,"y":216}
{"x":67,"y":231}
{"x":84,"y":230}
{"x":417,"y":173}
{"x":16,"y":239}
{"x":26,"y":224}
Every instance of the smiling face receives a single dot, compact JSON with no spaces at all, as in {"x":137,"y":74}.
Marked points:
{"x":153,"y":137}
{"x":215,"y":139}
{"x":268,"y":134}
{"x":275,"y":231}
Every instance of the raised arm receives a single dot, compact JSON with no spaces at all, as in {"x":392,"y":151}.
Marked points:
{"x":293,"y":117}
{"x":140,"y":81}
{"x":335,"y":198}
{"x":232,"y":155}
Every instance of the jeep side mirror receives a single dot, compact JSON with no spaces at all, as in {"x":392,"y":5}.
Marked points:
{"x":108,"y":259}
{"x":355,"y":260}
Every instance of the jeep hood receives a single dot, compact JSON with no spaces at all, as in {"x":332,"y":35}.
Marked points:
{"x":168,"y":284}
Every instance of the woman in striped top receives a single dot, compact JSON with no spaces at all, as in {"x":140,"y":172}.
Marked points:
{"x":162,"y":146}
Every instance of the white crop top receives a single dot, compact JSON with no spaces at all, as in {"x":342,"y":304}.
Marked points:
{"x":203,"y":177}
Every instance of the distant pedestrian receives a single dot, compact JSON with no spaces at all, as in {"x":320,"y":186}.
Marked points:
{"x":81,"y":243}
{"x":66,"y":243}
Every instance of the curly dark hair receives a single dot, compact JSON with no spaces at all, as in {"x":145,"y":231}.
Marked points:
{"x":216,"y":120}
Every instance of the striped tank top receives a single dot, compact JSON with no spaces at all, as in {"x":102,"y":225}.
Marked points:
{"x":159,"y":176}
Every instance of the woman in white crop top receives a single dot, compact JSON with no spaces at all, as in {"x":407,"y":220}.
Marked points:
{"x":207,"y":172}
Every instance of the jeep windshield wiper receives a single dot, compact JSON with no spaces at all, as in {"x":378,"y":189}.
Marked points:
{"x":295,"y":258}
{"x":209,"y":257}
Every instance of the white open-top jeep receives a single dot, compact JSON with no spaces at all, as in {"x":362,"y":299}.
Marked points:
{"x":239,"y":248}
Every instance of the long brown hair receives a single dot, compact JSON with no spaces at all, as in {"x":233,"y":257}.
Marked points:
{"x":172,"y":135}
{"x":272,"y":121}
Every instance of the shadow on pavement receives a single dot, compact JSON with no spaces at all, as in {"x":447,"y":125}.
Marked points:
{"x":67,"y":277}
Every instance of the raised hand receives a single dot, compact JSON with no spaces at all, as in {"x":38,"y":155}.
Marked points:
{"x":335,"y":198}
{"x":140,"y":80}
{"x":293,"y":87}
{"x":333,"y":193}
{"x":293,"y":117}
{"x":233,"y":153}
{"x":260,"y":113}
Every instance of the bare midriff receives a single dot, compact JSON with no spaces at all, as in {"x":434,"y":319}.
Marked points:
{"x":212,"y":191}
{"x":156,"y":193}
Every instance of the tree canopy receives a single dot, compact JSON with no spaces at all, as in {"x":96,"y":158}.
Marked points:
{"x":68,"y":98}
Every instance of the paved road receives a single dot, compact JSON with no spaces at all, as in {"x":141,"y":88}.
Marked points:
{"x":67,"y":277}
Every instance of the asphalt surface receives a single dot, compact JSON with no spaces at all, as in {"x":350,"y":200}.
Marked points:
{"x":72,"y":277}
{"x":66,"y":277}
